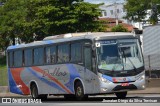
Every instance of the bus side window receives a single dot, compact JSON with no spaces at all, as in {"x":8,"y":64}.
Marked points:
{"x":38,"y":56}
{"x":28,"y":57}
{"x":10,"y":59}
{"x":50,"y":54}
{"x":76,"y":52}
{"x":63,"y":53}
{"x":18,"y":58}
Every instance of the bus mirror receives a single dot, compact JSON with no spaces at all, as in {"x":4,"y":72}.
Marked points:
{"x":137,"y":31}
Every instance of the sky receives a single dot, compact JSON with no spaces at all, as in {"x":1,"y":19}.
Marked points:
{"x":104,"y":1}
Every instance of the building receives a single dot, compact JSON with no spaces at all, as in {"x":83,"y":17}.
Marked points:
{"x":111,"y":22}
{"x":115,"y":10}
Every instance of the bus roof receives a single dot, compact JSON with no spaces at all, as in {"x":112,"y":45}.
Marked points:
{"x":74,"y":36}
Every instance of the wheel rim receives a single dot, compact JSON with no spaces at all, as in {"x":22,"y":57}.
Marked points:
{"x":79,"y":91}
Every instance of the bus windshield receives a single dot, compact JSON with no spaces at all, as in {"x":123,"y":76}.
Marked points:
{"x":119,"y":55}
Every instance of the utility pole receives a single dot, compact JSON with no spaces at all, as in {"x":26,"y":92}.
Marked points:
{"x":115,"y":12}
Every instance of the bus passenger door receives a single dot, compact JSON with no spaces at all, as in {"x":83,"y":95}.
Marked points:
{"x":88,"y":74}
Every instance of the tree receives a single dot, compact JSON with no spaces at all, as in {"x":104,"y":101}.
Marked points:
{"x":65,"y":17}
{"x":119,"y":28}
{"x":137,"y":10}
{"x":12,"y":16}
{"x":34,"y":19}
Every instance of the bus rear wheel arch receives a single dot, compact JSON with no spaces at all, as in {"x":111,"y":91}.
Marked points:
{"x":79,"y":91}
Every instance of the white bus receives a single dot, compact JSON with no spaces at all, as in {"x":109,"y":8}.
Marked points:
{"x":77,"y":65}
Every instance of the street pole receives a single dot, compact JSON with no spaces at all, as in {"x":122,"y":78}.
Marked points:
{"x":116,"y":14}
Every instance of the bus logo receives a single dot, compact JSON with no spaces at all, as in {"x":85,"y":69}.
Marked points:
{"x":124,"y":79}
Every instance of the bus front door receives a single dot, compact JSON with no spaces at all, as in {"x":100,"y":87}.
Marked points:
{"x":89,"y":76}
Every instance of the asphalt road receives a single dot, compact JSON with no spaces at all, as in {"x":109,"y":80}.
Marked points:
{"x":109,"y":100}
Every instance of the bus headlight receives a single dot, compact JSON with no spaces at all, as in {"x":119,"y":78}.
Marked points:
{"x":141,"y":78}
{"x":104,"y":80}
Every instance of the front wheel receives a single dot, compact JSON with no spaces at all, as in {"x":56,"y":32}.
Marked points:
{"x":79,"y":91}
{"x":121,"y":95}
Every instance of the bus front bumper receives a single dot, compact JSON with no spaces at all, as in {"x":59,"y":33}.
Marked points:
{"x":119,"y":87}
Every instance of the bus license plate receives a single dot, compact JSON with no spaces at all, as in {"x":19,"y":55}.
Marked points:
{"x":125,"y":84}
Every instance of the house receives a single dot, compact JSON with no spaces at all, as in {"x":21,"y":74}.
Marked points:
{"x":115,"y":10}
{"x":111,"y":22}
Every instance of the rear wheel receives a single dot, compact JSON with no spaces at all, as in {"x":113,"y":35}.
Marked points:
{"x":34,"y":92}
{"x":35,"y":95}
{"x":121,"y":95}
{"x":79,"y":91}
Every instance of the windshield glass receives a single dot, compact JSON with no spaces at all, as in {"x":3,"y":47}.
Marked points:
{"x":118,"y":55}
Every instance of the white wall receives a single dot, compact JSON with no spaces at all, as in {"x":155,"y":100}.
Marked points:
{"x":115,"y":10}
{"x":120,"y":6}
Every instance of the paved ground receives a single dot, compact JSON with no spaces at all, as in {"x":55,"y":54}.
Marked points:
{"x":152,"y":87}
{"x":103,"y":100}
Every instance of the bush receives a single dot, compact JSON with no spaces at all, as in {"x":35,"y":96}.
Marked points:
{"x":119,"y":28}
{"x":3,"y":60}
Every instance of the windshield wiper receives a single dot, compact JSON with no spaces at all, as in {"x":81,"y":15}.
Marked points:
{"x":122,"y":57}
{"x":135,"y":69}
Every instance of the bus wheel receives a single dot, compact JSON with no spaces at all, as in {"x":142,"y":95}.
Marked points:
{"x":79,"y":91}
{"x":34,"y":92}
{"x":121,"y":95}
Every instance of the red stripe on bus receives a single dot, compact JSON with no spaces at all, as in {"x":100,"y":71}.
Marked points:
{"x":16,"y":72}
{"x":52,"y":78}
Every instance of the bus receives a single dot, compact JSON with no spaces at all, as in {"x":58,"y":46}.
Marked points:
{"x":77,"y":65}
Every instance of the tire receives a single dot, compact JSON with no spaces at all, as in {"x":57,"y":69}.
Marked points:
{"x":121,"y":95}
{"x":79,"y":92}
{"x":34,"y":92}
{"x":35,"y":95}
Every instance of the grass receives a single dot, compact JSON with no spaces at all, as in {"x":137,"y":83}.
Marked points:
{"x":3,"y":72}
